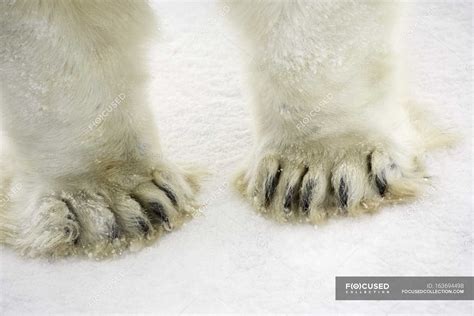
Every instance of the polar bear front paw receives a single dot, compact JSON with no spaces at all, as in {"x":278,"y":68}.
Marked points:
{"x":315,"y":182}
{"x":102,"y":218}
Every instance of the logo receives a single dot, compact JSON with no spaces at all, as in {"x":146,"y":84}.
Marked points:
{"x":367,"y":288}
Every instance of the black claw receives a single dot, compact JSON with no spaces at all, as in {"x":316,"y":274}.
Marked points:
{"x":72,"y":213}
{"x":159,"y":211}
{"x":170,"y":194}
{"x":307,"y":195}
{"x":381,"y":184}
{"x":142,"y":224}
{"x":114,"y":232}
{"x":369,"y":163}
{"x":343,"y":194}
{"x":288,"y":199}
{"x":270,"y":186}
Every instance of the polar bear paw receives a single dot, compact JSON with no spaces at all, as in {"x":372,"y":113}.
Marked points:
{"x":100,"y":218}
{"x":313,"y":185}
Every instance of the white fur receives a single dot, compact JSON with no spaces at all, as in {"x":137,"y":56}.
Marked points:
{"x":327,"y":98}
{"x":327,"y":95}
{"x":74,"y":105}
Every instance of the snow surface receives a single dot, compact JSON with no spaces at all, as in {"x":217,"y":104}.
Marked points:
{"x":230,"y":260}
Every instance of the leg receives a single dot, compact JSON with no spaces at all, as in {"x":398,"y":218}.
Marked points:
{"x":333,"y":133}
{"x":90,"y":172}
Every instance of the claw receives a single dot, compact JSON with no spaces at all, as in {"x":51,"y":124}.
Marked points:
{"x":143,"y":225}
{"x":381,"y":184}
{"x":270,"y":186}
{"x":159,"y":211}
{"x":114,"y":232}
{"x":369,"y":163}
{"x":307,"y":196}
{"x":343,"y":194}
{"x":288,"y":199}
{"x":170,"y":194}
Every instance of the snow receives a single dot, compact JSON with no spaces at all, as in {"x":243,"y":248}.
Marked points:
{"x":230,"y":260}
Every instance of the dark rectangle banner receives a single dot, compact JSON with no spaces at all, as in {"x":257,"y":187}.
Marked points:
{"x":404,"y":288}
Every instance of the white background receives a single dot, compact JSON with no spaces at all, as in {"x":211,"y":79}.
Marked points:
{"x":230,"y":259}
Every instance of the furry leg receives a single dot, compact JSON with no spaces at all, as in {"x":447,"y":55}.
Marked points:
{"x":90,"y":174}
{"x":333,"y":131}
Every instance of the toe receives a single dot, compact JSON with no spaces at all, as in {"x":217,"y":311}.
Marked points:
{"x":160,"y":212}
{"x":313,"y":193}
{"x":289,"y":188}
{"x":176,"y":188}
{"x":349,"y":182}
{"x":379,"y":166}
{"x":262,"y":184}
{"x":143,"y":225}
{"x":390,"y":178}
{"x":131,"y":217}
{"x":93,"y":214}
{"x":269,"y":179}
{"x":53,"y":232}
{"x":157,"y":204}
